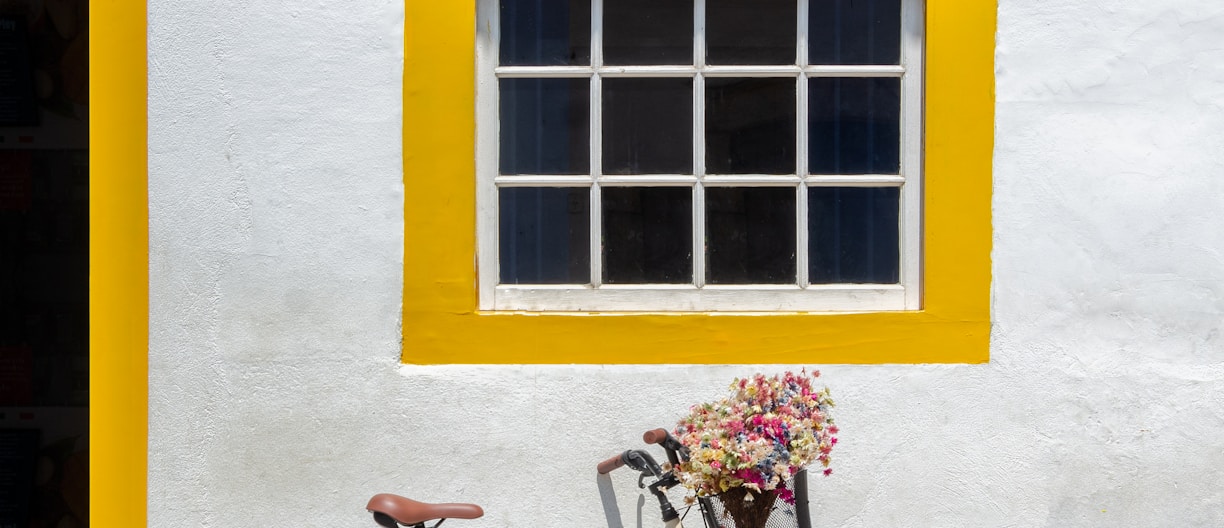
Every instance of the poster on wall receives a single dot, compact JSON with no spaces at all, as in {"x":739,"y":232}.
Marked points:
{"x":44,"y":467}
{"x":17,"y":105}
{"x":44,"y":74}
{"x":18,"y":463}
{"x":16,"y":180}
{"x":16,"y":376}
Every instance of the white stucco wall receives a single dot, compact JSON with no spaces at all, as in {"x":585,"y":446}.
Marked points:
{"x":276,"y":260}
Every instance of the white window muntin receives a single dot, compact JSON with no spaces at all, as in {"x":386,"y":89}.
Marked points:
{"x":697,"y":296}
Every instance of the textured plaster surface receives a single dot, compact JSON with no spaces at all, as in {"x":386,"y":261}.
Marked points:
{"x":276,"y":259}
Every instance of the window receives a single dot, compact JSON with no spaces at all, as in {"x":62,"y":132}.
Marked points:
{"x":444,"y":321}
{"x":700,"y":155}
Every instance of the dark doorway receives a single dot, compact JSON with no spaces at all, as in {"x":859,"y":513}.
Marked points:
{"x":44,"y":263}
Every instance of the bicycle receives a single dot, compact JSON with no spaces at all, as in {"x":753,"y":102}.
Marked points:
{"x":392,"y":511}
{"x":710,"y":507}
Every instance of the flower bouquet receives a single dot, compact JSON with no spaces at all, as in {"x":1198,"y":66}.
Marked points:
{"x":744,"y":448}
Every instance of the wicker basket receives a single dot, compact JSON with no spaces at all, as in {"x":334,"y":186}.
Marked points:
{"x":766,"y":510}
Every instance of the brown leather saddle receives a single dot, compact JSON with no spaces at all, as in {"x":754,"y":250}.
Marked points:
{"x":390,"y":510}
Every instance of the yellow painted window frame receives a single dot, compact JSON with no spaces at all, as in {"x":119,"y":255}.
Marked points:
{"x":118,"y":265}
{"x":442,"y":324}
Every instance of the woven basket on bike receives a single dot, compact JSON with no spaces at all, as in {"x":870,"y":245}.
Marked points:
{"x":765,"y":510}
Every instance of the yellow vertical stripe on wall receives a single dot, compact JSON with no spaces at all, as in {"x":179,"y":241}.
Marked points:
{"x":442,"y":325}
{"x":958,"y":156}
{"x":439,"y":154}
{"x":118,"y":264}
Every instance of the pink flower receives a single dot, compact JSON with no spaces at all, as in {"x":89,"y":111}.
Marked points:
{"x":787,"y":495}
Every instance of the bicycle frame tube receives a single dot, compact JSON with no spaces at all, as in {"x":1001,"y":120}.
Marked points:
{"x":801,"y":500}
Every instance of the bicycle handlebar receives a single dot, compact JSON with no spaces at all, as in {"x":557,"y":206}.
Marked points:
{"x":643,"y":462}
{"x":634,"y":458}
{"x":609,"y":465}
{"x":655,"y":436}
{"x":676,"y":452}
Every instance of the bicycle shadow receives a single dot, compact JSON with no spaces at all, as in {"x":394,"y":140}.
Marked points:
{"x":611,"y":510}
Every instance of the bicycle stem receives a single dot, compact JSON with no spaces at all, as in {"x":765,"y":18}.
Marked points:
{"x":676,"y":452}
{"x":658,"y":488}
{"x":645,"y":464}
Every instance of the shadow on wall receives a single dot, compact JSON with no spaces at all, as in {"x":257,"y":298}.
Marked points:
{"x":608,"y":496}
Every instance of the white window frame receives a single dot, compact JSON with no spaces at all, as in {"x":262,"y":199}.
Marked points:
{"x":700,"y":297}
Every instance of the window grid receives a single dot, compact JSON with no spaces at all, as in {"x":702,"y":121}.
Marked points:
{"x":801,"y":153}
{"x":849,"y":297}
{"x":699,"y":146}
{"x":596,"y":151}
{"x":912,"y":36}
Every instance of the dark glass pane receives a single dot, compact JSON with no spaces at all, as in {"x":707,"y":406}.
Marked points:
{"x":648,"y":126}
{"x":853,"y":235}
{"x":750,"y":126}
{"x":648,"y":32}
{"x":750,"y":31}
{"x":545,"y":32}
{"x":545,"y":126}
{"x":647,"y":235}
{"x":855,"y":32}
{"x":854,"y":126}
{"x":750,"y":235}
{"x":544,"y":235}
